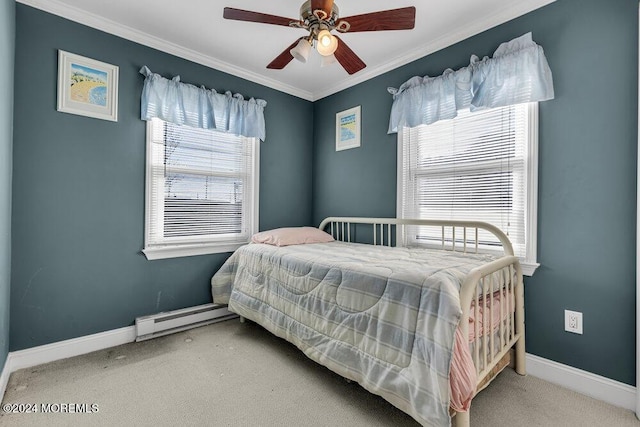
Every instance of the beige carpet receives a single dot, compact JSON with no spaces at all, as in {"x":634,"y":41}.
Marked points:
{"x":232,"y":374}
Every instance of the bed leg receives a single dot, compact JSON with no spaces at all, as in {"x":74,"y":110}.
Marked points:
{"x":242,"y":319}
{"x":521,"y":365}
{"x":462,"y":419}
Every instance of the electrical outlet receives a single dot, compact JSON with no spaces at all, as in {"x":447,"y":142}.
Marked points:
{"x":573,"y":321}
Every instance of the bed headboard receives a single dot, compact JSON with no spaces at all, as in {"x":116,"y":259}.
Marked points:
{"x":460,"y":236}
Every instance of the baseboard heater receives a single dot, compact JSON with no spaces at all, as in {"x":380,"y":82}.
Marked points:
{"x":169,"y":322}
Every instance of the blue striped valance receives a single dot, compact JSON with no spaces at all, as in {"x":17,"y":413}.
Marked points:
{"x":186,"y":104}
{"x":517,"y":73}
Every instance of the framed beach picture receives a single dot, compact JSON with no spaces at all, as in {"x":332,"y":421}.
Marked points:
{"x":87,"y":87}
{"x":348,"y":129}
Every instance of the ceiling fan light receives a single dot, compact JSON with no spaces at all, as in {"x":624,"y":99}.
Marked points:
{"x":301,"y":51}
{"x":328,"y":60}
{"x":327,"y":43}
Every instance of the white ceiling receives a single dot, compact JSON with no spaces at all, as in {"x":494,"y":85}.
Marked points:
{"x":195,"y":30}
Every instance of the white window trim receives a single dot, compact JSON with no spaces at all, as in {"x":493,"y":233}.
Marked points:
{"x":175,"y":251}
{"x":528,"y":264}
{"x":192,"y":249}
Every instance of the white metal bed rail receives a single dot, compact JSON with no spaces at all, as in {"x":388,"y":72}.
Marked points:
{"x":340,"y":229}
{"x":502,"y":317}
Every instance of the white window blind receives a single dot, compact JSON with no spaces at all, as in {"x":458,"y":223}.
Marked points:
{"x":477,"y":166}
{"x":201,"y":188}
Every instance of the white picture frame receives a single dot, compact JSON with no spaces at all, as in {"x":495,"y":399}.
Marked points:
{"x":348,"y":129}
{"x":87,"y":87}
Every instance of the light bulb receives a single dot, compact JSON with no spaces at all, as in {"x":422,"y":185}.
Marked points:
{"x":327,"y":43}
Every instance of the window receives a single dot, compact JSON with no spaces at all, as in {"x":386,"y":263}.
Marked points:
{"x":478,"y":166}
{"x":201,"y":190}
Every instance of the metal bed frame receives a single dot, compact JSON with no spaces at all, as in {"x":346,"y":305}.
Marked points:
{"x":490,"y":351}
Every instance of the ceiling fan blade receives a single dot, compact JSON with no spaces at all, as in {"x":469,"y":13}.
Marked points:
{"x":325,"y":5}
{"x":347,"y":58}
{"x":284,"y":58}
{"x":394,"y":19}
{"x":249,"y":16}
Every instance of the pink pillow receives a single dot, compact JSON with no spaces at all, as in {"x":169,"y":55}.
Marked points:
{"x":292,"y":236}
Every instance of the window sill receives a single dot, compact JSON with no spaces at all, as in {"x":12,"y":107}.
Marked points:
{"x":528,"y":268}
{"x":175,"y":251}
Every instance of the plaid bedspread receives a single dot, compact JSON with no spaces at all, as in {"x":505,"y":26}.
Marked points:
{"x":384,"y":317}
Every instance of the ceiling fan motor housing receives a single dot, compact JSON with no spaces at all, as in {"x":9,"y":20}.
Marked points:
{"x":317,"y":20}
{"x":309,"y":17}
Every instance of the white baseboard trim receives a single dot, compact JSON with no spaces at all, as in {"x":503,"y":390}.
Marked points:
{"x":596,"y":386}
{"x":69,"y":348}
{"x":4,"y":377}
{"x":63,"y":349}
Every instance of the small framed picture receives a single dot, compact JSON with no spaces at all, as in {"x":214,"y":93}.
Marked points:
{"x":87,"y":87}
{"x":348,"y":129}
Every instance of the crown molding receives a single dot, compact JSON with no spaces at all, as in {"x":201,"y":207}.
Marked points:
{"x":71,"y":13}
{"x":518,"y":9}
{"x":58,"y":8}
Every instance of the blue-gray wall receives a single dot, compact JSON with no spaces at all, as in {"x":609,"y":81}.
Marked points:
{"x":587,"y":173}
{"x":78,"y":183}
{"x":78,"y":187}
{"x":7,"y":42}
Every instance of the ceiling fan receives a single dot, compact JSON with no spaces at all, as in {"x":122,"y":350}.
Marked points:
{"x":320,"y":17}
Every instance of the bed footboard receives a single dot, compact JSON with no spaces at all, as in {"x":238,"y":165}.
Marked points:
{"x":502,"y":316}
{"x":491,"y":296}
{"x":502,"y":321}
